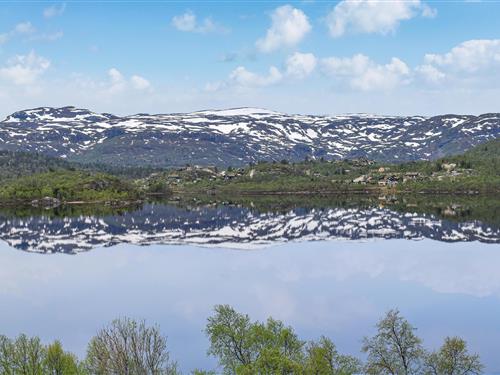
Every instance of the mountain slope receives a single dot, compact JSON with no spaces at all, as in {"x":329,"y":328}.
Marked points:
{"x":484,"y":158}
{"x":238,"y":136}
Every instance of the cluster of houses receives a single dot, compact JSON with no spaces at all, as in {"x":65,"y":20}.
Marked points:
{"x":383,"y":177}
{"x":196,"y":173}
{"x":451,"y":170}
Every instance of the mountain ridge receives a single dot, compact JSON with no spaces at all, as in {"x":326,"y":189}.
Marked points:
{"x":238,"y":136}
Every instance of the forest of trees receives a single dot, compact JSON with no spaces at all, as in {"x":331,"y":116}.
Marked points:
{"x":69,"y":186}
{"x":241,"y":346}
{"x":14,"y":164}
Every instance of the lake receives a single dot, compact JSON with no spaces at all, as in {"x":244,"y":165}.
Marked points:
{"x":326,"y":267}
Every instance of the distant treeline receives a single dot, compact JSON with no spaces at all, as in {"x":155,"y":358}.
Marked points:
{"x":241,"y":346}
{"x":68,"y":185}
{"x":15,"y":164}
{"x":28,"y":176}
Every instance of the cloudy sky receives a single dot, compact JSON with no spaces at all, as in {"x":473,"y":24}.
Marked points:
{"x":316,"y":56}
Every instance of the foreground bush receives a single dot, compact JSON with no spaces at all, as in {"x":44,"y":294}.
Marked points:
{"x":396,"y":349}
{"x":28,"y":356}
{"x":127,"y":347}
{"x":242,"y":347}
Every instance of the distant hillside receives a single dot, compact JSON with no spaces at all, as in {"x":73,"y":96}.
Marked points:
{"x":26,"y":176}
{"x":476,"y":171}
{"x":68,"y":186}
{"x":485,"y":156}
{"x":18,"y":164}
{"x":240,"y":136}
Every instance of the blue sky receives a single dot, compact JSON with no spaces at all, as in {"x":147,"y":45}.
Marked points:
{"x":390,"y":57}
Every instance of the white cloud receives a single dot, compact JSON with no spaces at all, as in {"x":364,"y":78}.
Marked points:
{"x":139,"y":83}
{"x":54,"y":11}
{"x":116,"y":87}
{"x":119,"y":83}
{"x":47,"y":37}
{"x":289,"y":26}
{"x":470,"y":65}
{"x":115,"y":75}
{"x":215,"y":86}
{"x":373,"y":16}
{"x":428,"y":12}
{"x":470,"y":56}
{"x":188,"y":22}
{"x":24,"y":69}
{"x":24,"y":28}
{"x":27,"y":30}
{"x":241,"y":77}
{"x":364,"y":74}
{"x":300,"y":65}
{"x":244,"y":78}
{"x":430,"y":73}
{"x":185,"y":22}
{"x":117,"y":80}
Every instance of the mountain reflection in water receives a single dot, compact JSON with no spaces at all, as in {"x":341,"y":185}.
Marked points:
{"x":238,"y":226}
{"x":447,"y":284}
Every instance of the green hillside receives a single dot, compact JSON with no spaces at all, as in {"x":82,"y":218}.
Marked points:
{"x":68,"y":186}
{"x":33,"y":176}
{"x":485,"y":157}
{"x":476,"y":171}
{"x":18,"y":164}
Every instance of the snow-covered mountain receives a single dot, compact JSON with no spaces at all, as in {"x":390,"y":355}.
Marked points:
{"x":239,"y":136}
{"x":232,"y":227}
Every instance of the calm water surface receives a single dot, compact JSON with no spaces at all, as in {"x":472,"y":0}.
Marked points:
{"x":336,"y":287}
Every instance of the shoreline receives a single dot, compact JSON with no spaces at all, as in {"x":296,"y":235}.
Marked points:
{"x":251,"y":193}
{"x":356,"y":192}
